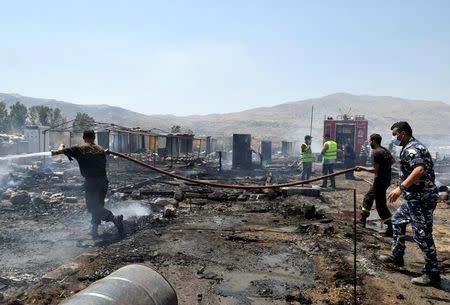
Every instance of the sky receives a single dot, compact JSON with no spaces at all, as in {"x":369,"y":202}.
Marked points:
{"x":199,"y":57}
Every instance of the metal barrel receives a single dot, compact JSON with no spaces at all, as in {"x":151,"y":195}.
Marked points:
{"x":130,"y":285}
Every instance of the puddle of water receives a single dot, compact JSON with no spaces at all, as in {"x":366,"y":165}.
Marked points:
{"x":260,"y":284}
{"x":281,"y":272}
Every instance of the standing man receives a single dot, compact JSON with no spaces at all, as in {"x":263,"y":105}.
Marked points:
{"x":329,"y":153}
{"x":307,"y":158}
{"x":349,"y":160}
{"x":420,"y":196}
{"x":364,"y":153}
{"x":92,"y":162}
{"x":382,"y":163}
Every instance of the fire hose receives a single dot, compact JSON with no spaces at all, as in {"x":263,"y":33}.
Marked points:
{"x":224,"y":185}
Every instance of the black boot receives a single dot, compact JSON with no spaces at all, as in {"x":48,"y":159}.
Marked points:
{"x":389,"y":231}
{"x":363,"y":219}
{"x":392,"y":260}
{"x":118,"y":222}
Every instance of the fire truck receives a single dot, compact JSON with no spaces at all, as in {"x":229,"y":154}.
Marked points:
{"x":347,"y":129}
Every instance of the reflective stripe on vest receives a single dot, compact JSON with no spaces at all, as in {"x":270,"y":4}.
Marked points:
{"x":331,"y":153}
{"x":307,"y":155}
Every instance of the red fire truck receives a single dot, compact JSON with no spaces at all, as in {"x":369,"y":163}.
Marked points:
{"x":346,"y":129}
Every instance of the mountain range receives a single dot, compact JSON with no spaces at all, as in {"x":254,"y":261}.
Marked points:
{"x":289,"y":121}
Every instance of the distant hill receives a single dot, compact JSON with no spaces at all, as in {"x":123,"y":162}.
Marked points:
{"x":288,"y":121}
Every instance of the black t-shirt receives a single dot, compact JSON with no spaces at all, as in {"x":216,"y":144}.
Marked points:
{"x":91,"y":159}
{"x":384,"y":159}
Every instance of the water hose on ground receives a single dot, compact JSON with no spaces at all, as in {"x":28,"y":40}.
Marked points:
{"x":232,"y":186}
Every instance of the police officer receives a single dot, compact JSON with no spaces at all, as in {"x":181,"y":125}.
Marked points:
{"x":364,"y":153}
{"x":382,"y":168}
{"x":329,"y":153}
{"x":92,"y":162}
{"x":307,"y":158}
{"x":420,"y":196}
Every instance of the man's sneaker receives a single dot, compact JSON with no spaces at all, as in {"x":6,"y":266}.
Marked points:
{"x":118,"y":222}
{"x":392,"y":260}
{"x":427,"y":279}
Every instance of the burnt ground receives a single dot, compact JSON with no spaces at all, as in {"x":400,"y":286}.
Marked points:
{"x":223,"y":246}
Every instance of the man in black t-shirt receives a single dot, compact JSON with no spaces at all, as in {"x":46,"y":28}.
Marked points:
{"x":382,"y":163}
{"x":92,"y":162}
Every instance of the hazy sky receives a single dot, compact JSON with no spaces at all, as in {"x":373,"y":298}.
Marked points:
{"x":197,"y":57}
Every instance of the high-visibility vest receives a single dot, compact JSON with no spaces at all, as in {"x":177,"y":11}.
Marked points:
{"x":331,"y":153}
{"x":306,"y":154}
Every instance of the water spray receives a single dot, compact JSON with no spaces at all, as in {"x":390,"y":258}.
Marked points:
{"x":38,"y":154}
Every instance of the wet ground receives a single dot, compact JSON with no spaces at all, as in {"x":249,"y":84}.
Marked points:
{"x":217,"y":250}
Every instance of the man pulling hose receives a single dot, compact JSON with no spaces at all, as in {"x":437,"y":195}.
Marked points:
{"x":92,"y":162}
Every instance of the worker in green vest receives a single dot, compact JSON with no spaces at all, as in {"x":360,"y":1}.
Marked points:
{"x":329,"y":153}
{"x":306,"y":157}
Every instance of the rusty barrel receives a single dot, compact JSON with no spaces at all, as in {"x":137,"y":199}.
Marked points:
{"x":130,"y":285}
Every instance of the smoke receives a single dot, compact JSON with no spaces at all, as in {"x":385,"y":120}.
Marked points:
{"x":4,"y":173}
{"x":130,"y":208}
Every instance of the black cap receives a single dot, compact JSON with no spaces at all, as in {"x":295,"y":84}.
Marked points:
{"x":308,"y":137}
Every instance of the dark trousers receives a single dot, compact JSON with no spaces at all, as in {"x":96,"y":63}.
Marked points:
{"x":327,"y":168}
{"x":420,"y":215}
{"x":349,"y":163}
{"x":95,"y":192}
{"x":306,"y":170}
{"x":378,"y":193}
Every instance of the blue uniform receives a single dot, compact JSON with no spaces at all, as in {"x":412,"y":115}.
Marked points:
{"x":418,"y":205}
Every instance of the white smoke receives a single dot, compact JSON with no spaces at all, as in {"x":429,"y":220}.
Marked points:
{"x":130,"y":208}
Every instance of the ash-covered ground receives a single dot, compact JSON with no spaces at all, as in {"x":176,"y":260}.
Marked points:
{"x":215,"y":246}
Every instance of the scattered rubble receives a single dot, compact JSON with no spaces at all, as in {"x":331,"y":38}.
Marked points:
{"x":215,"y":246}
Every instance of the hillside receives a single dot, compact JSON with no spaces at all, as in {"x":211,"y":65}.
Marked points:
{"x":285,"y":121}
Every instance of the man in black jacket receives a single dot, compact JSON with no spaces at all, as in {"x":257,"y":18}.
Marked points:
{"x":92,"y":162}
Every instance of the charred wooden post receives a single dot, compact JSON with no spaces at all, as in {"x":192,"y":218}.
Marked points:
{"x":242,"y":153}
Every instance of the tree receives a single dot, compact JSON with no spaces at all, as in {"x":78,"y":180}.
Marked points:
{"x":4,"y":118}
{"x":45,"y":116}
{"x":83,"y":122}
{"x":175,"y":129}
{"x":33,"y":116}
{"x":40,"y":115}
{"x":18,"y":115}
{"x":56,"y":118}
